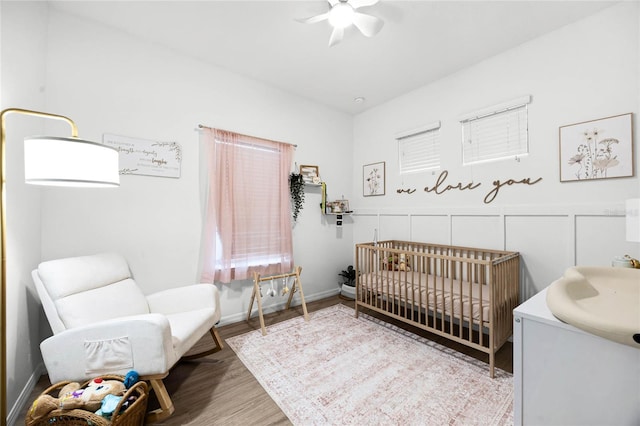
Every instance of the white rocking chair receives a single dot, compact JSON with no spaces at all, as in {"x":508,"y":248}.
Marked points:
{"x":103,"y":323}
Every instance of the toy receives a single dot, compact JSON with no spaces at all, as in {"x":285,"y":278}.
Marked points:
{"x":108,"y":406}
{"x":73,"y":396}
{"x":395,"y":262}
{"x":402,"y":264}
{"x":391,"y":262}
{"x":131,"y":378}
{"x":42,"y":406}
{"x":89,"y":398}
{"x":110,"y":402}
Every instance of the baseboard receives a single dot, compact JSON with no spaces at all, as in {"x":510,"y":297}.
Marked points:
{"x":230,"y":319}
{"x":25,"y":396}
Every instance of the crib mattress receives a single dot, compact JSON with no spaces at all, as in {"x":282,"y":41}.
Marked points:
{"x":432,"y":293}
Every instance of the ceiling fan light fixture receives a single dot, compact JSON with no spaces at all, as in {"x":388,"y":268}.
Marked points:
{"x":341,"y":15}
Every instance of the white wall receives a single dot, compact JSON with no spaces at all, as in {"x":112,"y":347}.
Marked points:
{"x":109,"y":82}
{"x":584,"y":71}
{"x":22,"y":86}
{"x":126,"y":86}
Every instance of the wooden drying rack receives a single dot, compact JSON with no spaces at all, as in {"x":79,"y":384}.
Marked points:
{"x":257,"y":294}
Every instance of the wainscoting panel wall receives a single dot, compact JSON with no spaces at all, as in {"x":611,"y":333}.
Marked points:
{"x":477,"y":231}
{"x":394,"y":226}
{"x":364,"y":227}
{"x":597,"y":236}
{"x":544,"y":243}
{"x":434,"y":228}
{"x":549,"y":238}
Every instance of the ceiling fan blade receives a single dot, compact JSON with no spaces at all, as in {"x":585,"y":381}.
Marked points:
{"x":314,"y":19}
{"x":334,"y":2}
{"x":367,"y":24}
{"x":336,"y":36}
{"x":362,"y":3}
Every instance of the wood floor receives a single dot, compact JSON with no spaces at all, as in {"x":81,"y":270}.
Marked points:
{"x":219,"y":390}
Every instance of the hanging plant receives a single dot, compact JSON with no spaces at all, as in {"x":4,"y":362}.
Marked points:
{"x":296,"y":188}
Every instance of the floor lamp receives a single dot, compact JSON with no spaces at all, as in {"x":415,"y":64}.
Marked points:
{"x":49,"y":160}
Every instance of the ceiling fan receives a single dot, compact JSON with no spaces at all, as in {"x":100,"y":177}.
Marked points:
{"x":343,"y":13}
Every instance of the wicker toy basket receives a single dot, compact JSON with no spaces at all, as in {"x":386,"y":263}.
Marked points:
{"x":133,"y":416}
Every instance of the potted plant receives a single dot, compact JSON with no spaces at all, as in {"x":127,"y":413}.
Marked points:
{"x":296,"y":188}
{"x":348,"y":288}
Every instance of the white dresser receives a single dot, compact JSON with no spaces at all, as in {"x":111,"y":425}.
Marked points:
{"x":565,"y":376}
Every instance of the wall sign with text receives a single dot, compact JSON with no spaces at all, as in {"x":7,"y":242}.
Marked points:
{"x":146,"y":157}
{"x":440,"y":187}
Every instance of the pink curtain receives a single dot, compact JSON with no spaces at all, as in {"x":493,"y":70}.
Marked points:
{"x":247,"y":225}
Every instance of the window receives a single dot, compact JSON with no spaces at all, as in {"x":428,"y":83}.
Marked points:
{"x":248,"y":215}
{"x":496,"y":132}
{"x":419,"y":149}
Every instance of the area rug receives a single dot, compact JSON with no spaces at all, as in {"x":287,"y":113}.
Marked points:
{"x":340,"y":370}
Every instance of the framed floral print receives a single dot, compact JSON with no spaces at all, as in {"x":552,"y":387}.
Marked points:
{"x":597,"y":149}
{"x":373,"y":179}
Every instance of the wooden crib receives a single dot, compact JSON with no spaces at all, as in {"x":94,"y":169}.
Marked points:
{"x":461,"y":293}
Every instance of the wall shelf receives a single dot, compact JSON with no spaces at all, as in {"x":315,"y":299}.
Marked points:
{"x":328,"y":208}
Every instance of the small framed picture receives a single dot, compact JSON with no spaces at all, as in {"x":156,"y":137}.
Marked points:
{"x":310,"y":174}
{"x":597,"y":149}
{"x":340,"y":206}
{"x":373,"y":179}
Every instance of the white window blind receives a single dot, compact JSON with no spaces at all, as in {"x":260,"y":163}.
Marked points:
{"x":419,"y":149}
{"x":496,"y":133}
{"x":258,"y":182}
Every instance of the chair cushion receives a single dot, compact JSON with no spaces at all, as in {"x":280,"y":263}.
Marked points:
{"x":115,"y":300}
{"x":64,"y":277}
{"x":188,"y":327}
{"x":93,"y":288}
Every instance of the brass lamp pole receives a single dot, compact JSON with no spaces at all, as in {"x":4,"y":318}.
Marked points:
{"x":48,"y":161}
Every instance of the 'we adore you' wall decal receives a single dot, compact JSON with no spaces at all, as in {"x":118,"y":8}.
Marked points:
{"x":441,"y":187}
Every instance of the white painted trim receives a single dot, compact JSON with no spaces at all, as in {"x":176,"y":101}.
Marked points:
{"x":601,"y":209}
{"x":494,"y":109}
{"x":573,"y":231}
{"x":423,"y":129}
{"x":24,"y":399}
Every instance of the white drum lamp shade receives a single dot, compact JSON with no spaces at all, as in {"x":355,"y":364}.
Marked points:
{"x":71,"y":161}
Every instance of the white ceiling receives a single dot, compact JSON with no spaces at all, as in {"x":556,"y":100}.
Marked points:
{"x":421,"y":41}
